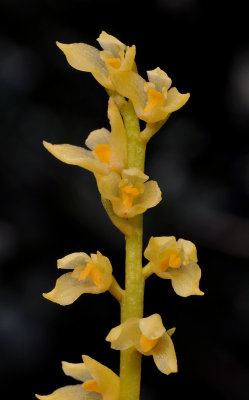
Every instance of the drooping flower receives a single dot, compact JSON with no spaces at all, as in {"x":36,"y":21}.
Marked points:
{"x":99,"y":382}
{"x":129,"y":193}
{"x":108,"y":150}
{"x":175,"y":260}
{"x":115,"y":55}
{"x":90,"y":275}
{"x":149,"y":337}
{"x":154,"y":100}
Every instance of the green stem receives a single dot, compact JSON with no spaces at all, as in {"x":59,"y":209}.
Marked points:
{"x":133,"y":300}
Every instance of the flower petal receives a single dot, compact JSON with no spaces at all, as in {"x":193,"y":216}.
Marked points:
{"x":76,"y":155}
{"x":189,"y":249}
{"x":86,"y":58}
{"x":118,"y":139}
{"x":155,"y":243}
{"x":185,"y":280}
{"x":77,"y":371}
{"x":164,"y":355}
{"x":68,"y":289}
{"x":71,"y":392}
{"x":124,"y":335}
{"x":110,"y":43}
{"x":99,"y":136}
{"x":108,"y":185}
{"x":159,"y":78}
{"x":131,"y":85}
{"x":71,"y":261}
{"x":108,"y":381}
{"x":152,"y":326}
{"x":175,"y":100}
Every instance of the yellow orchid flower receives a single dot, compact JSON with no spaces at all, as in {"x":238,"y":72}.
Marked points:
{"x":108,"y":150}
{"x":149,"y":337}
{"x":175,"y":260}
{"x":129,"y":193}
{"x":153,"y":101}
{"x":90,"y":275}
{"x":115,"y":55}
{"x":99,"y":382}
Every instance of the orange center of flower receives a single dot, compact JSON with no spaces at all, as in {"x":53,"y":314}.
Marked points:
{"x":92,"y":386}
{"x":113,"y":62}
{"x":147,"y":344}
{"x":171,"y":261}
{"x":155,"y":98}
{"x":102,"y":151}
{"x":92,"y":271}
{"x":128,"y":193}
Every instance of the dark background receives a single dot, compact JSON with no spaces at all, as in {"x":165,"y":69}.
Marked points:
{"x":49,"y":209}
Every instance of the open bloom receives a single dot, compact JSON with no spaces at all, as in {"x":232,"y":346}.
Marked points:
{"x":175,"y":260}
{"x":90,"y":275}
{"x":115,"y":55}
{"x":153,"y":101}
{"x":107,"y":150}
{"x":100,"y":382}
{"x":129,"y":193}
{"x":149,"y":337}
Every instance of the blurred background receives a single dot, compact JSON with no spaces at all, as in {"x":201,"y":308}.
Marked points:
{"x":49,"y":209}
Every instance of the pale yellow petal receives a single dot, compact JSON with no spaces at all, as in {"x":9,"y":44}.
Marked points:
{"x":99,"y":136}
{"x":151,"y":196}
{"x":71,"y":261}
{"x":118,"y":139}
{"x":159,"y":78}
{"x":108,"y":185}
{"x":67,"y":289}
{"x":77,"y":371}
{"x":86,"y":58}
{"x":134,"y":175}
{"x":152,"y":326}
{"x":189,"y":249}
{"x":185,"y":280}
{"x":155,"y":243}
{"x":124,"y":335}
{"x":131,"y":85}
{"x":175,"y":100}
{"x":76,"y":155}
{"x":110,"y":43}
{"x":164,"y":355}
{"x":107,"y":380}
{"x":128,"y":62}
{"x":71,"y":392}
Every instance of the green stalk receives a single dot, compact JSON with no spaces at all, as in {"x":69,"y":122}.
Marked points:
{"x":133,"y":300}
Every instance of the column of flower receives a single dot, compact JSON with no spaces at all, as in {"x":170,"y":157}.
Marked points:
{"x":116,"y":158}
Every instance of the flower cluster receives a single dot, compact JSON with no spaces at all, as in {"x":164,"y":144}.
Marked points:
{"x":126,"y":188}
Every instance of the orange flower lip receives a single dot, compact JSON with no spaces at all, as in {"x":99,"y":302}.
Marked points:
{"x":92,"y":386}
{"x":147,"y":344}
{"x":155,"y":98}
{"x":128,"y":193}
{"x":102,"y":151}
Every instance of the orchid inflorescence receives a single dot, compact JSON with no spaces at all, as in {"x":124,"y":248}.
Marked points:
{"x":116,"y":158}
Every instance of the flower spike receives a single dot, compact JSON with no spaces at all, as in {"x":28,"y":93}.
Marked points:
{"x":90,"y":275}
{"x":175,"y":260}
{"x":149,"y":337}
{"x":99,"y":382}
